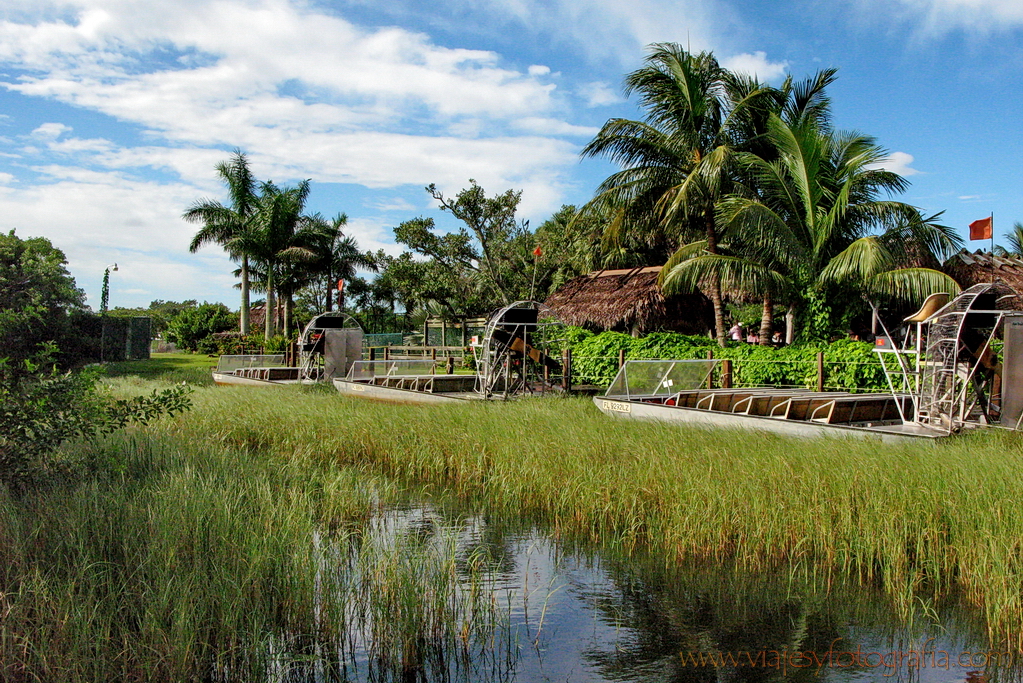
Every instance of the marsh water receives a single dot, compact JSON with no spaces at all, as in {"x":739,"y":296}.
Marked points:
{"x":566,"y":612}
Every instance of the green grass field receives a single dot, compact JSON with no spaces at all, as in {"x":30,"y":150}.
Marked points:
{"x":173,"y":368}
{"x":189,"y":540}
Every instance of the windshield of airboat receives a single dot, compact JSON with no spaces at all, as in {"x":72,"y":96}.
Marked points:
{"x":227,"y":364}
{"x":364,"y":370}
{"x":639,"y":378}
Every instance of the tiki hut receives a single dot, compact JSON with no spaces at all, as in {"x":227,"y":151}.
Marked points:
{"x":1006,"y":272}
{"x":629,"y":300}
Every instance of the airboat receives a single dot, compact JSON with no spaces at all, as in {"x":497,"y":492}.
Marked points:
{"x":945,"y":376}
{"x":517,"y":356}
{"x":327,"y":348}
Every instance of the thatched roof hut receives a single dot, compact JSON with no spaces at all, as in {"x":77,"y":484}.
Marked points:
{"x":257,"y":315}
{"x":629,"y":300}
{"x":1005,"y":271}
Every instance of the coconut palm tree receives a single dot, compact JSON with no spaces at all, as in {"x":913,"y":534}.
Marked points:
{"x":818,"y":220}
{"x":337,"y":255}
{"x":678,"y":162}
{"x":222,"y":224}
{"x":1015,"y":240}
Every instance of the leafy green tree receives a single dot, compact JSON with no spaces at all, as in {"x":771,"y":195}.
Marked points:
{"x":1015,"y":239}
{"x":280,"y":236}
{"x":487,"y":262}
{"x":192,"y":325}
{"x":819,"y":222}
{"x":678,"y":162}
{"x":223,"y":225}
{"x":37,"y":299}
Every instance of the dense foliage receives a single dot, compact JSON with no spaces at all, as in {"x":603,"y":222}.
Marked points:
{"x":42,"y":403}
{"x":848,"y":364}
{"x":193,"y":326}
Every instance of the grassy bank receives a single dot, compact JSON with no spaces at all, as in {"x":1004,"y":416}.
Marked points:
{"x":918,"y":521}
{"x":193,"y":368}
{"x":174,"y":559}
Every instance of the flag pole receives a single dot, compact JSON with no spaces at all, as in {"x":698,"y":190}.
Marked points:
{"x":992,"y":248}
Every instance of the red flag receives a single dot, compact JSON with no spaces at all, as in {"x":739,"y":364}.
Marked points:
{"x":538,"y":252}
{"x":981,"y":230}
{"x":340,"y":285}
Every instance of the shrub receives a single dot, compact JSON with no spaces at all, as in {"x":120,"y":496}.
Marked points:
{"x":191,"y":325}
{"x":847,"y":364}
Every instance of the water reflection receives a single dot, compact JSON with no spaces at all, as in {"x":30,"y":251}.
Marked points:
{"x":579,"y":614}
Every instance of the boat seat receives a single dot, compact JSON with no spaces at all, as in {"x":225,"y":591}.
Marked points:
{"x":932,"y":304}
{"x":871,"y":408}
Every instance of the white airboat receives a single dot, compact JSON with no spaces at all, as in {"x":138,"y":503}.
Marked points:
{"x":944,"y":378}
{"x":327,"y":348}
{"x":517,"y":356}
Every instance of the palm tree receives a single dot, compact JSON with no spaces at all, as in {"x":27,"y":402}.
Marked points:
{"x":1015,"y":240}
{"x":280,"y":237}
{"x":337,"y":255}
{"x":677,"y":162}
{"x":222,"y":224}
{"x":817,"y":220}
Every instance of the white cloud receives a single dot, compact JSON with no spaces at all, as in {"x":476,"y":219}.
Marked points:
{"x":542,"y":126}
{"x":538,"y":70}
{"x":394,"y":204}
{"x":968,"y":197}
{"x":756,"y":64}
{"x":50,"y":131}
{"x":897,"y":162}
{"x":598,"y":94}
{"x":942,"y":15}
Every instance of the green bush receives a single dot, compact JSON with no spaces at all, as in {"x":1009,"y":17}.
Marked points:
{"x":847,"y":364}
{"x":192,"y":325}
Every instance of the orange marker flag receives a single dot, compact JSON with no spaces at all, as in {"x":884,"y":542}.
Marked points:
{"x":538,"y":252}
{"x":981,"y":229}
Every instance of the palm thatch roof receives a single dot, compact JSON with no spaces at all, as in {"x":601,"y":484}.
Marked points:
{"x":1005,"y":271}
{"x":257,"y":315}
{"x":629,"y":300}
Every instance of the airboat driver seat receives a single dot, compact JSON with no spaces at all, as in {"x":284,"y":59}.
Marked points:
{"x":931,"y":305}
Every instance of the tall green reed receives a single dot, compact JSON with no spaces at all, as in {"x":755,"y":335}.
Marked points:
{"x":914,"y":520}
{"x":179,"y":558}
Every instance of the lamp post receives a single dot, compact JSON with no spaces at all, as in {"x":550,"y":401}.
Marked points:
{"x":104,"y":298}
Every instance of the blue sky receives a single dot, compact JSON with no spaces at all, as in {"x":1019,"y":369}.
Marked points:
{"x":113,"y":113}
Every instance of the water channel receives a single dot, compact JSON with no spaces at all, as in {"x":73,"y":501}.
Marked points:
{"x":574,"y":614}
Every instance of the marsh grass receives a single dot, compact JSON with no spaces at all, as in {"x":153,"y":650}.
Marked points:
{"x":174,"y":368}
{"x":179,"y":559}
{"x":918,"y":521}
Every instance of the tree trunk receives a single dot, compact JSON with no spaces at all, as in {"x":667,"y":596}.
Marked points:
{"x":288,"y":305}
{"x":715,"y":281}
{"x":243,"y":317}
{"x":268,"y":318}
{"x":328,"y":296}
{"x":790,"y":324}
{"x":766,"y":319}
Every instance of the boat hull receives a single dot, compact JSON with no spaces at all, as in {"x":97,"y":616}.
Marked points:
{"x":638,"y":410}
{"x":376,"y":392}
{"x":225,"y":379}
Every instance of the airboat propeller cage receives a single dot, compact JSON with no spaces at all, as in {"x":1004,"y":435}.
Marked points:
{"x":333,"y":339}
{"x":520,"y":350}
{"x":954,"y":377}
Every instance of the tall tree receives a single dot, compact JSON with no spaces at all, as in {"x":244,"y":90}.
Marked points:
{"x":482,"y":264}
{"x":337,"y":256}
{"x":677,"y":161}
{"x":820,"y":220}
{"x":224,"y":224}
{"x":280,"y":236}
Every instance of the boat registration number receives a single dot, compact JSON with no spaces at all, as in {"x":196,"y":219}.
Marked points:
{"x":358,"y":387}
{"x":616,"y":407}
